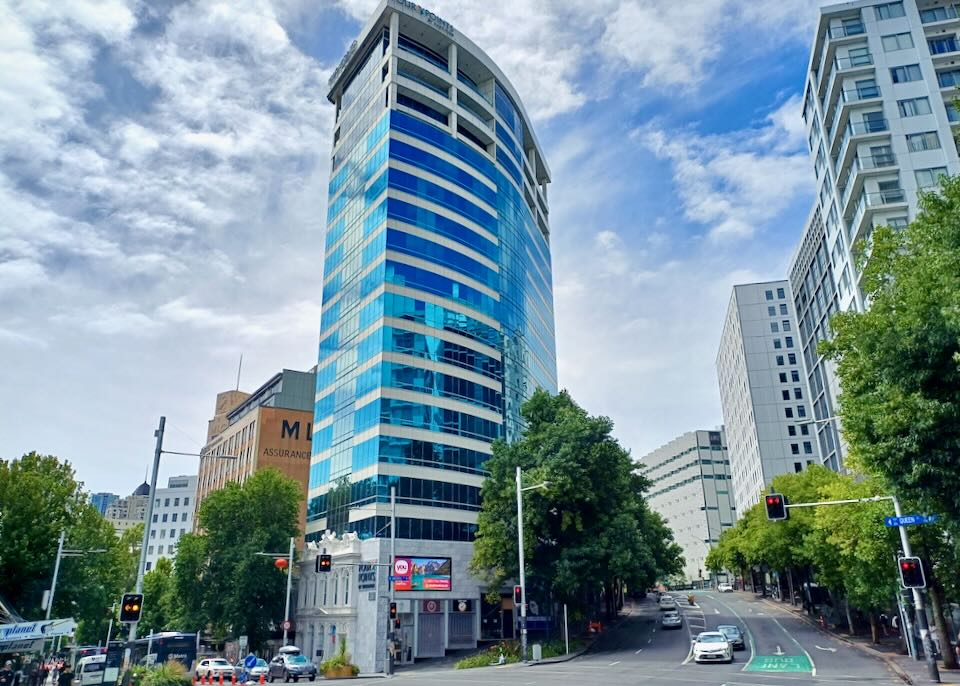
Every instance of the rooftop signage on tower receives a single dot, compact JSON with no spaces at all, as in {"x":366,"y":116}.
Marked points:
{"x":427,"y":15}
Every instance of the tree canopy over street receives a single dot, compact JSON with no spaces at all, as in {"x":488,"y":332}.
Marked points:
{"x":589,"y":531}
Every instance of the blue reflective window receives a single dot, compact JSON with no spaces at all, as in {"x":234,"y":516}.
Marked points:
{"x":440,"y":385}
{"x":422,"y":108}
{"x":424,"y":160}
{"x":440,"y":350}
{"x":431,"y":221}
{"x":508,"y":142}
{"x":402,"y":413}
{"x":402,"y":121}
{"x":440,"y":317}
{"x":508,"y":164}
{"x":431,"y":191}
{"x":508,"y":111}
{"x":405,"y":275}
{"x":434,"y":252}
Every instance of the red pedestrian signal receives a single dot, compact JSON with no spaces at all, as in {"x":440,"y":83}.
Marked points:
{"x":776,"y":507}
{"x":517,"y":595}
{"x":911,"y":572}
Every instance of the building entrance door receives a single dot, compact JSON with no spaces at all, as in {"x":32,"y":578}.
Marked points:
{"x":430,"y":635}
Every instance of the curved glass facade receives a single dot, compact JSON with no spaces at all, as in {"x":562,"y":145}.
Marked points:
{"x":437,"y":299}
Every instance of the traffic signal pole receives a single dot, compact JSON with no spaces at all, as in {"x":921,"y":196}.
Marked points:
{"x":918,"y":605}
{"x":921,"y":614}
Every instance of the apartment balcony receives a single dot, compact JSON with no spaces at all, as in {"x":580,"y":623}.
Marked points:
{"x":836,"y":37}
{"x":939,"y":16}
{"x":863,"y":167}
{"x":855,"y":133}
{"x":871,"y":203}
{"x":844,"y":67}
{"x":864,"y":95}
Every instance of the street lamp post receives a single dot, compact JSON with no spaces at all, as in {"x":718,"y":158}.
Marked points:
{"x":62,"y":553}
{"x":523,"y":575}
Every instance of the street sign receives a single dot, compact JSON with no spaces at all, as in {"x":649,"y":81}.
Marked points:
{"x":399,"y":578}
{"x":242,"y":640}
{"x":250,"y":661}
{"x":908,"y":520}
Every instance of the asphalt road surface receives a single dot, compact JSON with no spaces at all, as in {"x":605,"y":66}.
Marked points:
{"x":781,"y":650}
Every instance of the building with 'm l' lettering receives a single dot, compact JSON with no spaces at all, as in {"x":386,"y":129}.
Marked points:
{"x":269,"y":428}
{"x":437,"y":324}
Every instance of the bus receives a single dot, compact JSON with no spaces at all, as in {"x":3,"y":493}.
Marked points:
{"x":165,"y":646}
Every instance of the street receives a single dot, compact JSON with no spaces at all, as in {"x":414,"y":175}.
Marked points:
{"x":781,"y":649}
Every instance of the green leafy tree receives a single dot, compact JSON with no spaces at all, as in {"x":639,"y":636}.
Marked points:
{"x":219,"y":579}
{"x":159,"y":599}
{"x":899,"y":362}
{"x":589,"y":532}
{"x":39,"y":498}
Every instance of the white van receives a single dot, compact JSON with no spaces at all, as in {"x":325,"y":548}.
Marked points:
{"x":90,"y":670}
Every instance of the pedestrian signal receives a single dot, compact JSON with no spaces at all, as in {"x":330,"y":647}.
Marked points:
{"x":776,"y":507}
{"x":911,"y":572}
{"x":131,"y":607}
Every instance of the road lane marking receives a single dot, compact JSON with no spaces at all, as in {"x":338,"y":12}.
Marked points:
{"x":832,"y":650}
{"x":637,"y":652}
{"x":614,"y":663}
{"x":753,"y":651}
{"x":649,"y":640}
{"x":813,"y":665}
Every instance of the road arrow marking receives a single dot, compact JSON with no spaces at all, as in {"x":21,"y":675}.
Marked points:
{"x":779,"y":651}
{"x":716,"y":611}
{"x":637,"y":652}
{"x":615,"y":663}
{"x":832,"y":650}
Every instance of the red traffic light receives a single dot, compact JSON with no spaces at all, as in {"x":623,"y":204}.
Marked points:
{"x":911,"y":573}
{"x":776,"y":507}
{"x":773,"y":500}
{"x":517,"y":595}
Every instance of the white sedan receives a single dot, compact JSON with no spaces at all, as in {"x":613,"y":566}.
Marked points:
{"x":712,"y":646}
{"x":725,"y":588}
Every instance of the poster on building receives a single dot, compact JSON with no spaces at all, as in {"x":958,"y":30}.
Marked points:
{"x":422,"y":574}
{"x":367,"y":576}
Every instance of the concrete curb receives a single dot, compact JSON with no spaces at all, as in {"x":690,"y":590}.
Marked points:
{"x":891,"y":662}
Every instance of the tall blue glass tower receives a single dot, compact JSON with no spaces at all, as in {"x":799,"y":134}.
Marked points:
{"x":437,"y":301}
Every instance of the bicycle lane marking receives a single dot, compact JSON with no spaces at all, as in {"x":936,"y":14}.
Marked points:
{"x":813,"y":665}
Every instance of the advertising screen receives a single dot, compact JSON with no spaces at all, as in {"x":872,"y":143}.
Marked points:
{"x":422,"y":574}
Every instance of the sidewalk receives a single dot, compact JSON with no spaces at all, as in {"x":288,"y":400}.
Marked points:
{"x":887,"y":651}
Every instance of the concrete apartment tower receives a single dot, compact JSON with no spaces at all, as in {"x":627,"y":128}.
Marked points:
{"x":692,"y":490}
{"x":880,"y":127}
{"x":437,"y":324}
{"x":763,"y":390}
{"x":172,"y":517}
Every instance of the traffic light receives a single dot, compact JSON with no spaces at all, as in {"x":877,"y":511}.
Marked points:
{"x":776,"y":507}
{"x":323,"y":563}
{"x":517,"y":595}
{"x":911,"y":572}
{"x":131,"y":607}
{"x":393,"y":610}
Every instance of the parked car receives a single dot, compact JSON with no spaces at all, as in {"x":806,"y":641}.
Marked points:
{"x":671,"y":620}
{"x":291,"y":668}
{"x":90,"y":670}
{"x":253,"y":673}
{"x":725,"y":588}
{"x":734,"y":635}
{"x":712,"y":646}
{"x":214,"y":667}
{"x":667,"y":602}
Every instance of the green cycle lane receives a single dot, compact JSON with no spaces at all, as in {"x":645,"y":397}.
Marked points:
{"x":779,"y":663}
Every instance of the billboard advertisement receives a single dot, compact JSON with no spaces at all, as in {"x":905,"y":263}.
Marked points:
{"x":422,"y":574}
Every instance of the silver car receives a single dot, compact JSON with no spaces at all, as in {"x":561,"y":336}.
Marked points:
{"x":671,"y":620}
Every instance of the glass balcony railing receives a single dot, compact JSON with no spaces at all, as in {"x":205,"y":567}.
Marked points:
{"x":861,"y":93}
{"x":866,"y":162}
{"x":860,"y":128}
{"x":848,"y":29}
{"x":445,"y":92}
{"x":854,"y":61}
{"x":885,"y":197}
{"x":935,"y":14}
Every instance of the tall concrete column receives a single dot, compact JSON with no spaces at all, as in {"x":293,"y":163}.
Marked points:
{"x":452,"y":61}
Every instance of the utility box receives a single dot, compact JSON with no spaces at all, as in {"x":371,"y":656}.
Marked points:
{"x":537,"y":652}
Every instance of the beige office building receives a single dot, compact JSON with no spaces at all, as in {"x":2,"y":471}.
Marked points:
{"x":269,"y":428}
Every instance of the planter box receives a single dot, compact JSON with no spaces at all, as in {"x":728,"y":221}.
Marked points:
{"x":345,"y":672}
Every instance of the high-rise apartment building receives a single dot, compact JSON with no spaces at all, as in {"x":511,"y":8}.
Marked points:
{"x":437,"y":303}
{"x":763,"y":390}
{"x":691,"y":489}
{"x":172,"y":517}
{"x":879,"y":115}
{"x":269,"y":428}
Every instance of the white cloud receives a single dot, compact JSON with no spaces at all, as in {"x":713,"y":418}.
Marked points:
{"x":737,"y":182}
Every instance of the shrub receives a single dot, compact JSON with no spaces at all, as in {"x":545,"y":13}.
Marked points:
{"x":170,"y":673}
{"x":341,"y":659}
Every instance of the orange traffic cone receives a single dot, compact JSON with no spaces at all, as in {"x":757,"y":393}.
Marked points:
{"x":233,"y":678}
{"x":263,"y":678}
{"x":221,"y":678}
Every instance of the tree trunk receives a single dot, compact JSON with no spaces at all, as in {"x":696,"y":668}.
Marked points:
{"x":937,"y":606}
{"x":850,"y":626}
{"x":793,"y":597}
{"x":874,"y":628}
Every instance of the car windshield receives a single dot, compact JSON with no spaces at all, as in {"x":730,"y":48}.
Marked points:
{"x":671,"y":615}
{"x":261,"y":663}
{"x":297,"y":659}
{"x":220,"y":663}
{"x":729,"y":630}
{"x":711,"y":638}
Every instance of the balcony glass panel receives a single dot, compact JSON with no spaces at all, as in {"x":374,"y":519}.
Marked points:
{"x":852,"y":28}
{"x":938,"y":46}
{"x":854,"y":61}
{"x":938,"y":14}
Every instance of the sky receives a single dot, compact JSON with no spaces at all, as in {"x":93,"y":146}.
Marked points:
{"x":163,"y":172}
